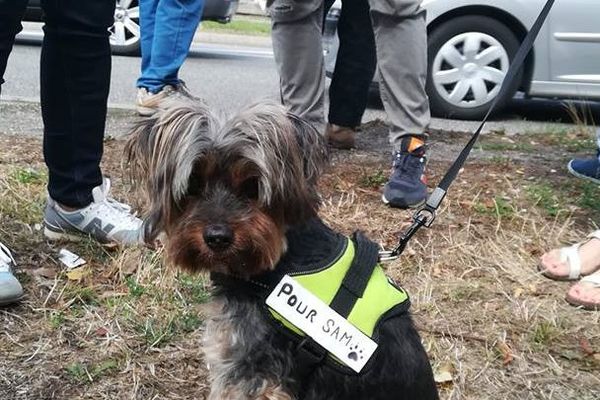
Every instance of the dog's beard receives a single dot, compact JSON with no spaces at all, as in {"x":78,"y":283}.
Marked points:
{"x":258,"y":244}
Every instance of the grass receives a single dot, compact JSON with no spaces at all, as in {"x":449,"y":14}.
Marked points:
{"x":556,"y":200}
{"x":572,"y":139}
{"x":82,"y":373}
{"x":373,"y":179}
{"x":241,"y":26}
{"x":507,"y":146}
{"x":544,"y":332}
{"x":23,"y":190}
{"x":546,"y":197}
{"x":589,"y":195}
{"x":135,"y":289}
{"x":131,"y":327}
{"x":498,"y":206}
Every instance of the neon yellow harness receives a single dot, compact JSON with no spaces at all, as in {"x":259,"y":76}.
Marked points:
{"x":342,"y":272}
{"x":379,"y":297}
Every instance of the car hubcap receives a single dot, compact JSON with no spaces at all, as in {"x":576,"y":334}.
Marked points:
{"x":126,"y":30}
{"x":468,"y":69}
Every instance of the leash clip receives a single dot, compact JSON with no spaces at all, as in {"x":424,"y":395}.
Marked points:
{"x":387,"y":255}
{"x":422,"y":217}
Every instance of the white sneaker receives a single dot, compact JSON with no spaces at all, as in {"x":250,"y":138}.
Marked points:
{"x":148,"y":103}
{"x":10,"y":288}
{"x":105,"y":220}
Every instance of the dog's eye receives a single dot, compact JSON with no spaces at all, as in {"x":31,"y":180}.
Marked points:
{"x":194,"y":184}
{"x":249,"y":188}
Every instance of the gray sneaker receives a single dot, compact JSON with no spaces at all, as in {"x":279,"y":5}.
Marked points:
{"x":105,"y":220}
{"x":10,"y":288}
{"x":147,"y":103}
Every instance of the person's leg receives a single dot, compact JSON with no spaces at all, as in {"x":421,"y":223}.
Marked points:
{"x":296,"y":32}
{"x":11,"y":290}
{"x":573,"y":262}
{"x":147,"y":26}
{"x":354,"y":66}
{"x":353,"y":73}
{"x":401,"y":40}
{"x":75,"y":80}
{"x":175,"y":24}
{"x":11,"y":13}
{"x":580,"y":261}
{"x":587,"y":168}
{"x":586,"y":292}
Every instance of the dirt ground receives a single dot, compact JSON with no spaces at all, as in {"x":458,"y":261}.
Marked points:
{"x":126,"y":326}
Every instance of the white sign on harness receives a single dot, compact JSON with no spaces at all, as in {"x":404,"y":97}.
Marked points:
{"x":325,"y":326}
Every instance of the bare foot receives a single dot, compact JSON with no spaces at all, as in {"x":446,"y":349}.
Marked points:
{"x":554,"y":266}
{"x":586,"y":293}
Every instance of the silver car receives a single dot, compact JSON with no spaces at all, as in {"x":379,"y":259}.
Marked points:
{"x":471,"y":43}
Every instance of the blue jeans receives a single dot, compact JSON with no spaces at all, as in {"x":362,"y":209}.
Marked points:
{"x":167,"y":28}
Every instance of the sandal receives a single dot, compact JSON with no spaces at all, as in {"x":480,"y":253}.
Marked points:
{"x":592,"y":282}
{"x":570,"y":255}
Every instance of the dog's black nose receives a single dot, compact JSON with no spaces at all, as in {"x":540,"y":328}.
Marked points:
{"x":218,"y":236}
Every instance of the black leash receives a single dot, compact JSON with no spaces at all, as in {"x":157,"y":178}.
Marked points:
{"x":426,"y":215}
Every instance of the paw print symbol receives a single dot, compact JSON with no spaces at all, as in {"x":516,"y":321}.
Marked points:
{"x":354,"y":355}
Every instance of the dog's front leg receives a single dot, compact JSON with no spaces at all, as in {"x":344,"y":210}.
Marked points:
{"x":246,"y":391}
{"x":242,"y":364}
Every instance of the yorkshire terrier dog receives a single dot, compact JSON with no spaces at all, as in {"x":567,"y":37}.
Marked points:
{"x":238,"y":198}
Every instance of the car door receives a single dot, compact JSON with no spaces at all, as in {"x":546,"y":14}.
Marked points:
{"x":575,"y":43}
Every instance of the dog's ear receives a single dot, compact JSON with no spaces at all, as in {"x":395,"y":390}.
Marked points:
{"x":288,"y":153}
{"x":313,"y":146}
{"x":161,"y":153}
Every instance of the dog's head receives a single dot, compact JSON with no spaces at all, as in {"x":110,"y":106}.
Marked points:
{"x":224,"y":193}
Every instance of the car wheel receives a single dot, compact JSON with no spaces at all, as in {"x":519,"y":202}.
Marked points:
{"x":125,"y":33}
{"x":468,"y":59}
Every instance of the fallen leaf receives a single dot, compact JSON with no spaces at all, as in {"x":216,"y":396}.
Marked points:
{"x":443,"y":377}
{"x":102,"y":331}
{"x":533,"y":289}
{"x":76,"y":274}
{"x":444,"y":373}
{"x":130,"y":267}
{"x":506,"y":352}
{"x":110,"y":294}
{"x":586,"y":347}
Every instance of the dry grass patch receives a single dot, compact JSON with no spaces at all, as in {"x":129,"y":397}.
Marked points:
{"x":129,"y":327}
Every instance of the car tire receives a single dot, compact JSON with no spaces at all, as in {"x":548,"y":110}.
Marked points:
{"x":468,"y":57}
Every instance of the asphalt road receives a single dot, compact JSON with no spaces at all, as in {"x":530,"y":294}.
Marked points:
{"x":226,"y":79}
{"x":229,"y":76}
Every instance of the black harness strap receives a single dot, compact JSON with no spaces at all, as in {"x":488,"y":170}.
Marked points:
{"x":426,"y":215}
{"x":366,"y":256}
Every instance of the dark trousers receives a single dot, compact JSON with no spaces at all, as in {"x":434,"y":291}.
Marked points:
{"x":75,"y":80}
{"x":11,"y":12}
{"x":355,"y":64}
